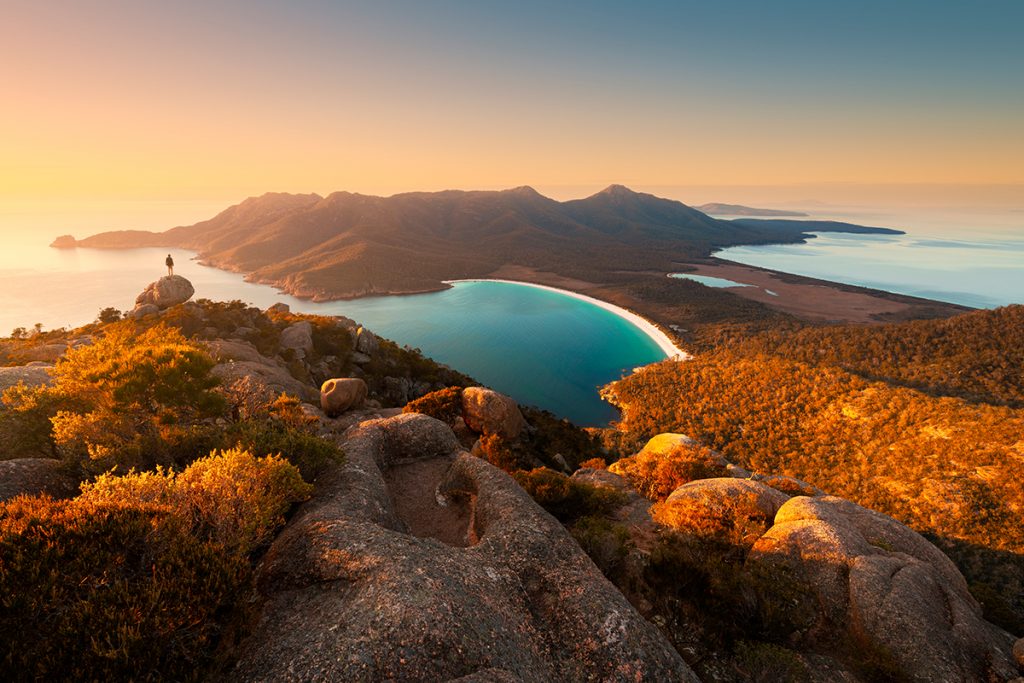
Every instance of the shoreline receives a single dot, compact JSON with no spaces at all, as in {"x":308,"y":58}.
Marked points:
{"x":649,"y":328}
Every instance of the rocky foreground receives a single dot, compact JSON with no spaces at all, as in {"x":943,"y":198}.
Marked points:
{"x":419,"y":560}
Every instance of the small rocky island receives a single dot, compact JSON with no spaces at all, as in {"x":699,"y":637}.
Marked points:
{"x":64,"y":242}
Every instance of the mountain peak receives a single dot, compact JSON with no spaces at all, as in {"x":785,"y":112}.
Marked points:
{"x":615,"y":190}
{"x":524,"y":190}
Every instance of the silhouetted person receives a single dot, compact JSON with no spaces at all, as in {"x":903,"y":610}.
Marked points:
{"x":170,"y":265}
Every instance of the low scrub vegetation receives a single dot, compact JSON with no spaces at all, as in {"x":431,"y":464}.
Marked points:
{"x":566,"y":498}
{"x":139,"y":577}
{"x":655,"y":475}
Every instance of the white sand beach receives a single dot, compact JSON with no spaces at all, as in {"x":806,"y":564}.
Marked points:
{"x":646,"y":326}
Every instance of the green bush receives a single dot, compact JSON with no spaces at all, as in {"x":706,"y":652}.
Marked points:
{"x":606,"y":542}
{"x":267,"y":436}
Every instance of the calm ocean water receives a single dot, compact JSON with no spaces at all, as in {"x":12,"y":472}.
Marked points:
{"x":541,"y":347}
{"x":974,"y":259}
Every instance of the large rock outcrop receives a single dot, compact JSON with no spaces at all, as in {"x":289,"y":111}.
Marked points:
{"x":375,"y":580}
{"x":275,"y":378}
{"x":31,"y":375}
{"x":299,"y":338}
{"x":854,"y":578}
{"x":168,"y":291}
{"x":488,"y":412}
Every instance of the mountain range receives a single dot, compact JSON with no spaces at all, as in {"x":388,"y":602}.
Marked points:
{"x":348,"y":245}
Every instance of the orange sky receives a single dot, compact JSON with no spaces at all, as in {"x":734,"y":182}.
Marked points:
{"x":129,"y":101}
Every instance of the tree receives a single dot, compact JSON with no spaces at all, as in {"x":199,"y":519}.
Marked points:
{"x":109,"y":315}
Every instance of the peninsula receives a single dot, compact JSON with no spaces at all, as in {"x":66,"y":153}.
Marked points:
{"x":615,"y":246}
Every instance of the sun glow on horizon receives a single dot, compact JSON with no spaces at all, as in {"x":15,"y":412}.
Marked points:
{"x":118,"y":101}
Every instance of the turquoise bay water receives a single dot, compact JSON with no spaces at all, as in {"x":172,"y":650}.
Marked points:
{"x":982,"y":272}
{"x":541,"y":347}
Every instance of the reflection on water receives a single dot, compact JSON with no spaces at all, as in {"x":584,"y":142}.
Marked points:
{"x":708,"y":280}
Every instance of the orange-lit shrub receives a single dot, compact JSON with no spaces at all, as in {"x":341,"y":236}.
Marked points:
{"x":594,"y":464}
{"x":656,"y":475}
{"x":109,"y":591}
{"x":131,"y":399}
{"x":137,"y":577}
{"x":443,"y":404}
{"x":231,"y":497}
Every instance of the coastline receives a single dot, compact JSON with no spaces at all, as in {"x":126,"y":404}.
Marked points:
{"x":664,"y":342}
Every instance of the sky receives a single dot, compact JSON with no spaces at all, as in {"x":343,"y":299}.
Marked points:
{"x":141,"y":103}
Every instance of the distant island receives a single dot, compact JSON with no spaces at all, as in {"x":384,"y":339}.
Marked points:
{"x":717,"y":209}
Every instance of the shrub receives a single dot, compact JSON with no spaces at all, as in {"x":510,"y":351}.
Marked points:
{"x":656,"y":475}
{"x":108,"y":315}
{"x":551,"y":435}
{"x":594,"y":464}
{"x":506,"y":455}
{"x":130,"y":399}
{"x":140,"y":576}
{"x":109,"y":591}
{"x":736,"y":519}
{"x":231,"y":497}
{"x":606,"y":542}
{"x":443,"y":404}
{"x":566,"y":498}
{"x":297,"y":444}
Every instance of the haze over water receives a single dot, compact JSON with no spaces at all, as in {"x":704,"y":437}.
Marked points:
{"x":970,"y":257}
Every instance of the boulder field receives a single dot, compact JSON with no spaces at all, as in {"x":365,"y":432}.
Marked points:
{"x":841,"y":580}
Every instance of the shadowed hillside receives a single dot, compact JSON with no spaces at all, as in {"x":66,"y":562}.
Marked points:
{"x":348,"y":245}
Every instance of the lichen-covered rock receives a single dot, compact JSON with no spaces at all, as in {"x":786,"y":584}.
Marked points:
{"x":224,"y":350}
{"x":45,"y":353}
{"x":341,"y":394}
{"x":32,"y":476}
{"x":279,"y":308}
{"x":739,"y":509}
{"x":168,"y":291}
{"x":667,"y":442}
{"x":366,"y":342}
{"x":858,"y":579}
{"x":275,"y":378}
{"x":33,"y":376}
{"x":142,"y":310}
{"x":360,"y":588}
{"x":488,"y":412}
{"x":298,"y":337}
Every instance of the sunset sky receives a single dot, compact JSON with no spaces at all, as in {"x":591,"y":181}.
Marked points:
{"x":218,"y":100}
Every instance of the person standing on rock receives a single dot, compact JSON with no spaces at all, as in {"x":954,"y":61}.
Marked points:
{"x":170,"y":265}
